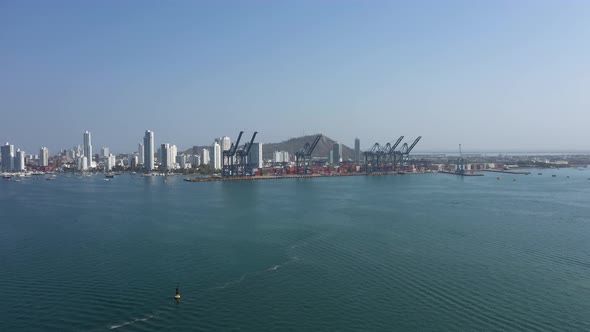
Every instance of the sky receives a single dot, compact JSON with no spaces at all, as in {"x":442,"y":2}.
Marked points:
{"x":502,"y":76}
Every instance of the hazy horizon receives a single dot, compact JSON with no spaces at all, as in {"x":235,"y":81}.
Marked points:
{"x":499,"y":76}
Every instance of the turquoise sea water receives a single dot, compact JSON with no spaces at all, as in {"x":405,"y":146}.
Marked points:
{"x":399,"y":252}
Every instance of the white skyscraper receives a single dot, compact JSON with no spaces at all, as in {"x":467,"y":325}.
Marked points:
{"x":44,"y":156}
{"x":173,"y":154}
{"x":19,"y":161}
{"x":225,"y":143}
{"x":110,"y":164}
{"x":255,"y":155}
{"x":140,"y":153}
{"x":82,"y":163}
{"x":205,"y":157}
{"x":88,"y":148}
{"x":276,"y":157}
{"x":181,"y":161}
{"x":133,"y":162}
{"x":216,"y":155}
{"x":165,"y":156}
{"x":105,"y":153}
{"x":148,"y":150}
{"x":7,"y":154}
{"x":285,"y":156}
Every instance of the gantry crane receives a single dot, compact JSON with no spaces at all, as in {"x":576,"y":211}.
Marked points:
{"x":303,"y":156}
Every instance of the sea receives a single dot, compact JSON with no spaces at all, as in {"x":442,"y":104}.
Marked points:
{"x":414,"y":252}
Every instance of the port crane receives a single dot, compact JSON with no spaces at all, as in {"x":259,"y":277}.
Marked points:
{"x":460,"y":163}
{"x":405,"y":151}
{"x":227,"y":160}
{"x":244,"y":166}
{"x":303,"y":156}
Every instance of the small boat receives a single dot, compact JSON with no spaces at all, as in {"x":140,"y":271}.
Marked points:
{"x":109,"y":175}
{"x":498,"y":178}
{"x":177,"y":295}
{"x":554,"y":175}
{"x":540,"y":174}
{"x":50,"y":179}
{"x":513,"y":179}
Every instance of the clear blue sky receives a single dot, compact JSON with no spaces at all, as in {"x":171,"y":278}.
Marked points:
{"x":492,"y":75}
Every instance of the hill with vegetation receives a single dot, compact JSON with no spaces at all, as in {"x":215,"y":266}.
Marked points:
{"x":293,"y":145}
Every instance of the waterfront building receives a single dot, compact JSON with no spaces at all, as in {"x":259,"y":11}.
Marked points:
{"x":44,"y":157}
{"x":337,"y":154}
{"x":105,"y":152}
{"x":205,"y":157}
{"x":216,"y":155}
{"x":255,"y":155}
{"x":181,"y":160}
{"x":140,"y":153}
{"x":19,"y":161}
{"x":134,"y":162}
{"x":88,"y":148}
{"x":331,"y":157}
{"x":7,"y":154}
{"x":110,"y":163}
{"x":357,"y":150}
{"x":173,"y":154}
{"x":148,"y":150}
{"x":82,"y":163}
{"x":195,"y":160}
{"x":166,"y":162}
{"x":225,"y":142}
{"x":285,"y":157}
{"x":277,"y":157}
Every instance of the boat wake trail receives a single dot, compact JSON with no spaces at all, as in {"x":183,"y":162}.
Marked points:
{"x":112,"y":327}
{"x":292,"y":258}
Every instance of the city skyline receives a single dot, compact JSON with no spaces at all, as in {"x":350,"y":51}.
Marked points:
{"x":491,"y":76}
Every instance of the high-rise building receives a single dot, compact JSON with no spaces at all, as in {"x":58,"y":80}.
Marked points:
{"x":134,"y":162}
{"x":110,"y":163}
{"x":148,"y":150}
{"x":166,"y":161}
{"x":19,"y":161}
{"x":105,"y":153}
{"x":255,"y":155}
{"x":277,"y":157}
{"x":357,"y":150}
{"x":225,"y":142}
{"x":44,"y":157}
{"x":195,"y":160}
{"x":216,"y":155}
{"x":82,"y":163}
{"x":337,"y":154}
{"x":196,"y":151}
{"x":331,"y":157}
{"x":7,"y":154}
{"x":181,"y":161}
{"x":205,"y":157}
{"x":140,"y":153}
{"x":88,"y":148}
{"x":285,"y":156}
{"x":173,"y":154}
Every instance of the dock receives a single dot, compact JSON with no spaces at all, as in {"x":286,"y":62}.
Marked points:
{"x":505,"y":171}
{"x":293,"y":176}
{"x":464,"y":174}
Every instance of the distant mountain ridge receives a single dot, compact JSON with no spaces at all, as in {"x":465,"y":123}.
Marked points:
{"x":293,"y":145}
